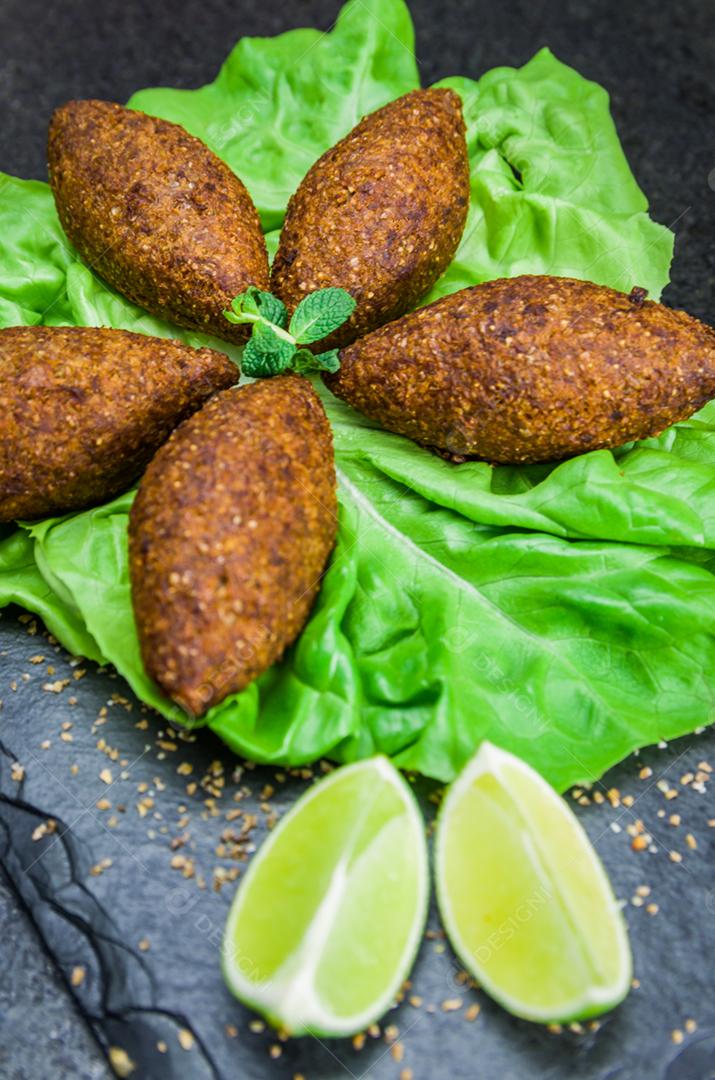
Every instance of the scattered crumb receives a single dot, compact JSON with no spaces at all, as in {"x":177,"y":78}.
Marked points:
{"x":472,"y":1012}
{"x":275,"y":1051}
{"x":17,"y":772}
{"x":677,"y":1036}
{"x":56,"y":688}
{"x":161,"y":1046}
{"x":451,"y":1004}
{"x":359,"y":1041}
{"x":120,"y":1061}
{"x":46,"y":828}
{"x":106,"y":776}
{"x":77,"y":976}
{"x":186,"y":1039}
{"x":144,"y":944}
{"x":397,"y":1051}
{"x":100,"y":867}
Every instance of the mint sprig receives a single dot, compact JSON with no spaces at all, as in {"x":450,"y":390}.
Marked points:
{"x":273,"y":348}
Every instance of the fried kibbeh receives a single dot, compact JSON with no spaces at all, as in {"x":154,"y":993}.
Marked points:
{"x":83,"y":410}
{"x":380,"y":214}
{"x":229,"y":534}
{"x":158,"y":215}
{"x":531,"y":369}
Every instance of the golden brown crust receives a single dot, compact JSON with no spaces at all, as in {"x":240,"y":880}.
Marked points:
{"x":380,"y":214}
{"x":82,"y":411}
{"x":531,"y":369}
{"x":228,"y":537}
{"x":156,"y":213}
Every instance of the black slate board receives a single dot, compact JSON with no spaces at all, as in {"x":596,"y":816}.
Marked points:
{"x":657,"y":65}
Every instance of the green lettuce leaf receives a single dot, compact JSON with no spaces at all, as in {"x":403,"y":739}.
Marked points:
{"x":552,"y":192}
{"x":564,"y":612}
{"x":35,"y":255}
{"x":21,"y":582}
{"x":436,"y":627}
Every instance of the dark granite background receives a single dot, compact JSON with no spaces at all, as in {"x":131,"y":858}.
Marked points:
{"x":657,"y":61}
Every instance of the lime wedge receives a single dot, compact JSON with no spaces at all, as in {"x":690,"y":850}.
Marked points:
{"x":326,"y":923}
{"x":524,"y":897}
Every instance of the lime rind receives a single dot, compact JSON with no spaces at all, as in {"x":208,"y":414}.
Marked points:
{"x":595,"y":999}
{"x":289,"y":998}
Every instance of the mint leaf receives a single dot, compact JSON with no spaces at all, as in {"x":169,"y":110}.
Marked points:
{"x":269,"y":307}
{"x":273,"y":349}
{"x":329,"y":361}
{"x":305,"y":361}
{"x":319,"y":314}
{"x":256,"y":306}
{"x":266,"y":354}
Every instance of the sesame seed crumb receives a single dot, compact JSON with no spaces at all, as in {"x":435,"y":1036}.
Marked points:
{"x":186,"y":1039}
{"x":120,"y":1061}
